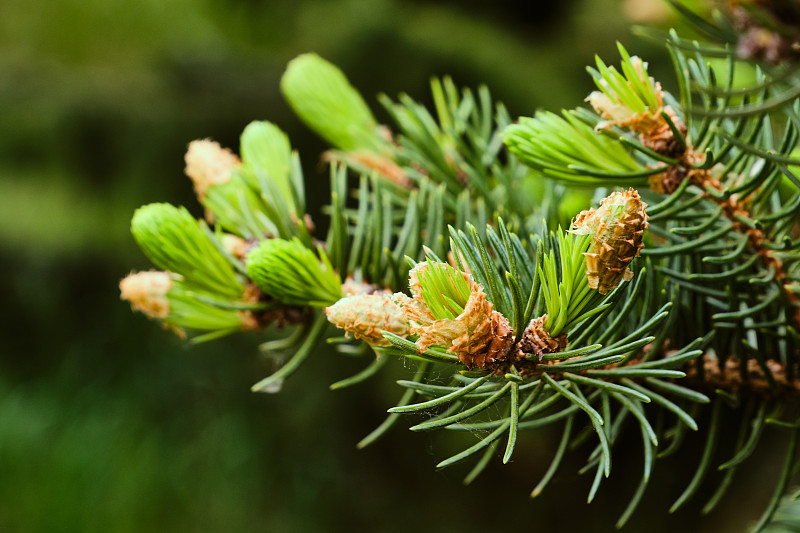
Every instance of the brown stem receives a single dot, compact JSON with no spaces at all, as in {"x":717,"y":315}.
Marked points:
{"x":733,"y":207}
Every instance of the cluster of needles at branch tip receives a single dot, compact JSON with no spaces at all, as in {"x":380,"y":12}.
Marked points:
{"x":526,"y":324}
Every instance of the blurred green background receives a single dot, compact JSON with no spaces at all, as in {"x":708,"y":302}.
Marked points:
{"x":107,"y":422}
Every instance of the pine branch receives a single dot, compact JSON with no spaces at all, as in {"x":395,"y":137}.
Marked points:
{"x":525,"y":327}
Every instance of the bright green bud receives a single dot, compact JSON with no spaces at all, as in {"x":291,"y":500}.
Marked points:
{"x":568,"y":149}
{"x":449,"y":309}
{"x":323,"y":98}
{"x":631,"y":98}
{"x":292,"y":274}
{"x":267,"y":155}
{"x":237,"y":208}
{"x":173,"y":240}
{"x":187,"y":311}
{"x":444,"y":289}
{"x":220,"y":186}
{"x":165,"y":296}
{"x":564,"y":284}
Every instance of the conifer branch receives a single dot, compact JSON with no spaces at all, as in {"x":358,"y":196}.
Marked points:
{"x":650,"y":305}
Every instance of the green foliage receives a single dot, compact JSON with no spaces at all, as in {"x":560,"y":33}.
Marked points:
{"x":323,"y":98}
{"x":567,"y":148}
{"x":444,"y":290}
{"x":567,"y":297}
{"x":712,"y":302}
{"x":293,"y":274}
{"x":197,"y":312}
{"x":634,"y":89}
{"x":238,"y":209}
{"x":267,"y":156}
{"x":165,"y":431}
{"x":173,"y":240}
{"x":272,"y":172}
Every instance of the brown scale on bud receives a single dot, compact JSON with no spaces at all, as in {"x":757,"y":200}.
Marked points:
{"x":617,"y":228}
{"x":479,"y":336}
{"x":536,"y":340}
{"x":373,"y":161}
{"x":654,"y":131}
{"x":367,"y":316}
{"x":250,"y":321}
{"x":668,"y":181}
{"x":660,"y":138}
{"x":278,"y":317}
{"x":236,"y":246}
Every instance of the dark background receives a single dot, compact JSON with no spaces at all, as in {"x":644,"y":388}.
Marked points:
{"x":109,"y":423}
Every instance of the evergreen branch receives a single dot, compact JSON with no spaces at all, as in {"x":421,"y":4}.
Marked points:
{"x":723,"y":235}
{"x":682,"y":415}
{"x":497,"y":433}
{"x":728,"y":476}
{"x":611,"y":387}
{"x":513,"y":426}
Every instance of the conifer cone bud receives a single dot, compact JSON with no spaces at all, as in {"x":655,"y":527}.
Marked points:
{"x":616,"y":114}
{"x":208,"y":164}
{"x":653,"y":130}
{"x":293,"y":274}
{"x":617,"y":227}
{"x":366,"y":316}
{"x":147,"y":292}
{"x":479,"y":336}
{"x":660,"y":138}
{"x":536,"y":340}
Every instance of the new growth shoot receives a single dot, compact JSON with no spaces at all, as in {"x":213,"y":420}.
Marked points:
{"x":444,"y":289}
